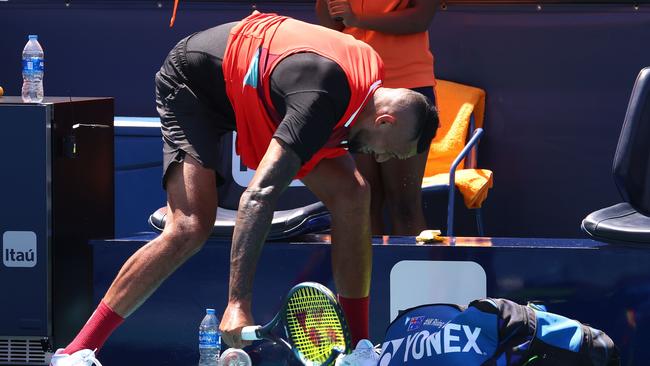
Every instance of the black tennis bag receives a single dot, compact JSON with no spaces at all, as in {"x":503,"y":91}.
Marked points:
{"x":495,"y":332}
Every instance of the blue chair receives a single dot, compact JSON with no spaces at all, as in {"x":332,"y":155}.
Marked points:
{"x":461,"y":112}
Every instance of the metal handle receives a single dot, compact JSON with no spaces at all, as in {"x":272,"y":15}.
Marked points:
{"x":452,"y":178}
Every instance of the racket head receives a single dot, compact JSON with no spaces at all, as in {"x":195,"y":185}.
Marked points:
{"x":315,"y":324}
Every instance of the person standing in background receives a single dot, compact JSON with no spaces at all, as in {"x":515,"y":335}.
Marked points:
{"x":398,"y":31}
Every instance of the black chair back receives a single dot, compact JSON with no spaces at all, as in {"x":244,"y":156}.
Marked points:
{"x":632,"y":160}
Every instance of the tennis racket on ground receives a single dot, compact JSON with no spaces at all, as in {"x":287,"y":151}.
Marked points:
{"x":313,"y":325}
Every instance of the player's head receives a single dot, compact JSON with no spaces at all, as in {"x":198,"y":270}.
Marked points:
{"x":398,"y":123}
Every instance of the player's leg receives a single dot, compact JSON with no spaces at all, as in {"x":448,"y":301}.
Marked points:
{"x":402,"y":180}
{"x":370,"y":170}
{"x":346,"y":194}
{"x":191,"y":136}
{"x":191,"y":208}
{"x":402,"y":183}
{"x":189,"y":132}
{"x":191,"y":212}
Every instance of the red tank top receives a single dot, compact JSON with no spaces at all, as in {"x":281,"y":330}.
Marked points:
{"x":256,"y":45}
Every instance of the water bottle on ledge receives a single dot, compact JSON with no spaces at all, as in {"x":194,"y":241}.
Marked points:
{"x":209,"y":339}
{"x":33,"y":69}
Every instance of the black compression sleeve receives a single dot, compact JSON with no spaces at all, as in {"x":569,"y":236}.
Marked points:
{"x":311,"y":93}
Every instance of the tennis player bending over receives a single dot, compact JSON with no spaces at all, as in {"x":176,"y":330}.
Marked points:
{"x":300,"y":97}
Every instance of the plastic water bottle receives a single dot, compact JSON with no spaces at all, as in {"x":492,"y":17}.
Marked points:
{"x":235,"y":357}
{"x":33,"y":68}
{"x":209,"y":339}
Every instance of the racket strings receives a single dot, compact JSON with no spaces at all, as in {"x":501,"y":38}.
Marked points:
{"x":314,"y":325}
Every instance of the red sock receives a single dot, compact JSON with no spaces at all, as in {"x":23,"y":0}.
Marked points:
{"x":96,"y":331}
{"x":356,"y":314}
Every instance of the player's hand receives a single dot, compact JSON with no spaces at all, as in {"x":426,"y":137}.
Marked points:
{"x":342,"y":11}
{"x":234,"y":319}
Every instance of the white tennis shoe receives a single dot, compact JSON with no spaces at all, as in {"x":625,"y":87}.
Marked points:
{"x":365,"y":354}
{"x":84,"y":357}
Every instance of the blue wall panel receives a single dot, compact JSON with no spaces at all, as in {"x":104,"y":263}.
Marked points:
{"x":103,"y":48}
{"x":138,"y":171}
{"x":557,"y":81}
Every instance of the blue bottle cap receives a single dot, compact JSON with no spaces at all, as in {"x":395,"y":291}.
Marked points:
{"x":209,"y":311}
{"x":33,"y":36}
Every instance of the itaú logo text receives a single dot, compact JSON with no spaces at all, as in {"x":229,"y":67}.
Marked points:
{"x":425,"y":344}
{"x":19,"y":249}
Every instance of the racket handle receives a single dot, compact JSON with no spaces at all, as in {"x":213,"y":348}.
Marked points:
{"x":251,"y":333}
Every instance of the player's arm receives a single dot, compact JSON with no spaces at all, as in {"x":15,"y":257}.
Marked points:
{"x":276,"y":170}
{"x":414,"y":19}
{"x":300,"y":87}
{"x":274,"y":173}
{"x":324,"y":17}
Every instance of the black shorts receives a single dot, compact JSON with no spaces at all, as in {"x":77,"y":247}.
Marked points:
{"x":194,"y":115}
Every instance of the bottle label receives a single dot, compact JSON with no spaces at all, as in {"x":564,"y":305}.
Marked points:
{"x":33,"y":64}
{"x":209,"y":339}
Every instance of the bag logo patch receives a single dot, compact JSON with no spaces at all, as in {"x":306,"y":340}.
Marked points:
{"x":414,"y":323}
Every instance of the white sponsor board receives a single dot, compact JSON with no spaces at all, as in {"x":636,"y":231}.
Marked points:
{"x":243,"y":177}
{"x":19,"y":249}
{"x":414,"y":283}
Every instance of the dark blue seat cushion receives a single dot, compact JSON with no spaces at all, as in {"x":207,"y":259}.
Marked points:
{"x":286,"y":224}
{"x":620,"y":224}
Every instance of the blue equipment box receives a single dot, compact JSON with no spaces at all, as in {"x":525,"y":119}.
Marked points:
{"x":56,"y":192}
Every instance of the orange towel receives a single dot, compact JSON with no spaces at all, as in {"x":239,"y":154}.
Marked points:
{"x":456,"y":103}
{"x":473,"y":184}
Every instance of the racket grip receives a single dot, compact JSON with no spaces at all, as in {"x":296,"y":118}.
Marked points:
{"x":250,"y":333}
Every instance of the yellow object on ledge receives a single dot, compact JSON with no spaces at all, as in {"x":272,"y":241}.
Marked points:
{"x":429,"y":236}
